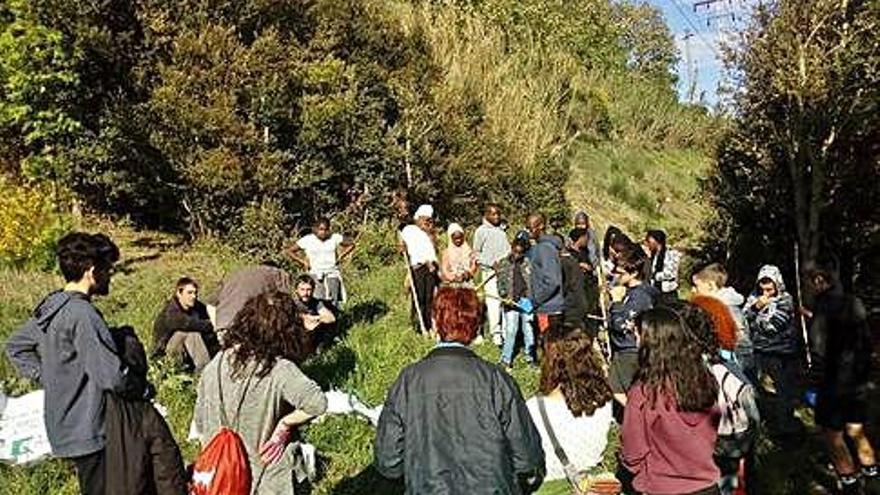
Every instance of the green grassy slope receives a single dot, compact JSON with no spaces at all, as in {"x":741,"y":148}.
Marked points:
{"x":636,"y":189}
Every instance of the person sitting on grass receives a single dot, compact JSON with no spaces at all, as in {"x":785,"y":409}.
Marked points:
{"x":256,"y":382}
{"x":317,"y":318}
{"x":577,"y":401}
{"x":183,"y":328}
{"x":454,"y":423}
{"x":513,"y":274}
{"x":670,"y":421}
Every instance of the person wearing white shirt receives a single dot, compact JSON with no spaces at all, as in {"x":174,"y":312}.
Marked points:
{"x":417,"y":243}
{"x":664,"y":265}
{"x":577,"y":400}
{"x":323,"y":250}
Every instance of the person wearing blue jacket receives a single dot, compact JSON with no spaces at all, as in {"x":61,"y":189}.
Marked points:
{"x":67,"y":347}
{"x":629,"y":298}
{"x":546,"y":279}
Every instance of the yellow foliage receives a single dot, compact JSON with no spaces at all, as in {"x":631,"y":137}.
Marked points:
{"x":30,"y":223}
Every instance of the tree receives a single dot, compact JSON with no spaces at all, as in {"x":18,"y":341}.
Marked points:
{"x":801,"y":161}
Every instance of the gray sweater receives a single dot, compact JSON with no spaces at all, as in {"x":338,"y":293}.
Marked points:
{"x":67,"y":347}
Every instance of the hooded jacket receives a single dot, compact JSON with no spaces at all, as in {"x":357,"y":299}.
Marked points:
{"x":623,"y":316}
{"x":67,"y":347}
{"x":744,"y":348}
{"x":454,"y":423}
{"x":547,"y":291}
{"x":772,"y":327}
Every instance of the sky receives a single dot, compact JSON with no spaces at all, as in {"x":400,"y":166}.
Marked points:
{"x":703,"y":43}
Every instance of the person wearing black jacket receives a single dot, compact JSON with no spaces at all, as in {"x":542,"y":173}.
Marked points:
{"x":574,"y":284}
{"x":454,"y":423}
{"x":183,"y":326}
{"x":840,"y":344}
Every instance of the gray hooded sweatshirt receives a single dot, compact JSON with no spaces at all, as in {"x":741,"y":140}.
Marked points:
{"x":67,"y":347}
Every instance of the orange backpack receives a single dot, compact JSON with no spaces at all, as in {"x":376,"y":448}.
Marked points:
{"x":222,"y":467}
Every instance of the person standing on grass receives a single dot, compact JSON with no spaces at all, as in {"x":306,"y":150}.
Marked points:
{"x":256,"y":383}
{"x":711,"y":281}
{"x":841,"y":347}
{"x":324,"y":250}
{"x":588,"y":253}
{"x":574,"y":276}
{"x":629,"y":298}
{"x":514,"y":273}
{"x":670,"y":421}
{"x":455,"y":424}
{"x":183,"y":328}
{"x":769,"y":312}
{"x":664,"y":265}
{"x":491,"y":246}
{"x":459,"y":263}
{"x":577,"y":401}
{"x":317,"y":318}
{"x":417,"y":241}
{"x":548,"y":297}
{"x":67,"y":347}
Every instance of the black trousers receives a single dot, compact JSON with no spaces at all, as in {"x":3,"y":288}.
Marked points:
{"x":90,"y":472}
{"x":424,"y":282}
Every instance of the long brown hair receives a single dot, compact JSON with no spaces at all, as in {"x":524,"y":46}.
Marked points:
{"x":266,"y":329}
{"x":671,"y":362}
{"x":572,"y":364}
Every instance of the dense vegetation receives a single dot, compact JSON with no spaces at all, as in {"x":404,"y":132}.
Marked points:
{"x":248,"y":119}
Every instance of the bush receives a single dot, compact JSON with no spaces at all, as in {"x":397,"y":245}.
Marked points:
{"x":30,"y":225}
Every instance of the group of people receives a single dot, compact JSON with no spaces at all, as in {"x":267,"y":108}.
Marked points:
{"x":690,"y":382}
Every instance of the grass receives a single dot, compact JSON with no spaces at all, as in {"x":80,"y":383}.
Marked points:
{"x":378,"y":343}
{"x":636,"y":189}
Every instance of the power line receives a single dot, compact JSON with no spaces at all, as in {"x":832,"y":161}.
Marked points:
{"x":694,"y":27}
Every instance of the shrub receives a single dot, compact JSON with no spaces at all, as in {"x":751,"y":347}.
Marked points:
{"x":30,"y":225}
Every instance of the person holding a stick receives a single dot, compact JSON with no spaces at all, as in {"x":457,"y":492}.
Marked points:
{"x":418,"y":249}
{"x":769,"y":312}
{"x":491,"y":246}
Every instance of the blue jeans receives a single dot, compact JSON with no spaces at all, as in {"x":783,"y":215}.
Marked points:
{"x":513,"y":321}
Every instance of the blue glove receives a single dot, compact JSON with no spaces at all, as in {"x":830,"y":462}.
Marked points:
{"x":525,"y":304}
{"x":811,"y":396}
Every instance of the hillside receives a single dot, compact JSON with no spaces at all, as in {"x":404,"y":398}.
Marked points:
{"x":636,"y":189}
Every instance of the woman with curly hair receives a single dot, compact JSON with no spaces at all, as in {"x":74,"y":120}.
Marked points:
{"x":256,"y":385}
{"x":577,"y":401}
{"x":670,"y":421}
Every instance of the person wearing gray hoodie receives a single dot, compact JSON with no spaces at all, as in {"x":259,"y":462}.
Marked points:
{"x":67,"y":347}
{"x":547,"y":295}
{"x":770,"y":315}
{"x":711,"y":281}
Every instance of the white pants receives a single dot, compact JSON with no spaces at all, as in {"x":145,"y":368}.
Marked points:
{"x":493,"y":304}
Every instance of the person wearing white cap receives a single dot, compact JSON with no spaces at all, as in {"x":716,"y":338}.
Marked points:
{"x":418,"y":246}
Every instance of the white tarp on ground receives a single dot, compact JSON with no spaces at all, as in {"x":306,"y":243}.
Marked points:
{"x":22,"y":429}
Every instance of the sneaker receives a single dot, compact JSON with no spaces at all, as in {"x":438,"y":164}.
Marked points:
{"x":497,"y":340}
{"x":506,"y":366}
{"x":479,"y":340}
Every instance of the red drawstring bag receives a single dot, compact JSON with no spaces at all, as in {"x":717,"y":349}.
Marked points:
{"x":222,"y":467}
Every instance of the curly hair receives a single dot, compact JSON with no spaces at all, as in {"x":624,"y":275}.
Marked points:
{"x":671,"y":361}
{"x":572,"y":364}
{"x":722,"y":320}
{"x":457,"y":314}
{"x":266,"y":329}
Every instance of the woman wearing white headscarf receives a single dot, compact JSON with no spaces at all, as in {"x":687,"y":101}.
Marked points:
{"x":459,"y":263}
